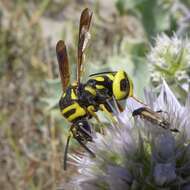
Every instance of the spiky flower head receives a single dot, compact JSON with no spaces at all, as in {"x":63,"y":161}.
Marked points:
{"x":136,"y":154}
{"x":169,"y":58}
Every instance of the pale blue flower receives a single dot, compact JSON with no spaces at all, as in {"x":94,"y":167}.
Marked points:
{"x":137,"y":154}
{"x":169,"y":58}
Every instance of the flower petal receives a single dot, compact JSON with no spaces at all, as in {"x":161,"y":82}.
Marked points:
{"x":118,"y":178}
{"x":164,"y":148}
{"x":167,"y":99}
{"x":164,"y":174}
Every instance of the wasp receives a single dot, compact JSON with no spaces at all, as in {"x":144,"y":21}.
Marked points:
{"x":153,"y":117}
{"x":77,"y":102}
{"x":80,"y":101}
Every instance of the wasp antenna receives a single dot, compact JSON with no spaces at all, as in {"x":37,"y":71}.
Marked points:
{"x":66,"y":151}
{"x":101,"y":73}
{"x":139,"y":101}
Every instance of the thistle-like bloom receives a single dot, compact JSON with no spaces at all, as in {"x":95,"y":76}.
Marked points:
{"x":137,"y":154}
{"x":170,"y":59}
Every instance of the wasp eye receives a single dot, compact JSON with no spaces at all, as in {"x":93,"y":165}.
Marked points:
{"x":123,"y":84}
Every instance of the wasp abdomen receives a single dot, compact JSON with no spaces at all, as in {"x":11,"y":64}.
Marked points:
{"x":70,"y":107}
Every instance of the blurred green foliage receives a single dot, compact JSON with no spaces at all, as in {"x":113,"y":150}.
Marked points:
{"x":32,"y":131}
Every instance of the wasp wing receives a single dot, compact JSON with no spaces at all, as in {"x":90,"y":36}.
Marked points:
{"x":63,"y":63}
{"x":84,"y":36}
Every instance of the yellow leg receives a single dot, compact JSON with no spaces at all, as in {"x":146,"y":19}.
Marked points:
{"x":70,"y":135}
{"x":103,"y":108}
{"x":92,"y":113}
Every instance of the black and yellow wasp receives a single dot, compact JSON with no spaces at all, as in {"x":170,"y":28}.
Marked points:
{"x":77,"y":102}
{"x":80,"y":101}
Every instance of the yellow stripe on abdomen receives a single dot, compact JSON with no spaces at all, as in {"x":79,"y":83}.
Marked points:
{"x":73,"y":112}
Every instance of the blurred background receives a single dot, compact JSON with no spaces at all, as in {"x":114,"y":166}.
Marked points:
{"x":32,"y":130}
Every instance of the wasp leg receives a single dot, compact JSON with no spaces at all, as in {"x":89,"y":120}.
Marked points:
{"x":92,"y":113}
{"x":114,"y":105}
{"x":66,"y":150}
{"x":85,"y":147}
{"x":103,"y":108}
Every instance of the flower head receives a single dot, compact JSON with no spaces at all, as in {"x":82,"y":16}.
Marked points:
{"x":137,"y":154}
{"x":170,"y":58}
